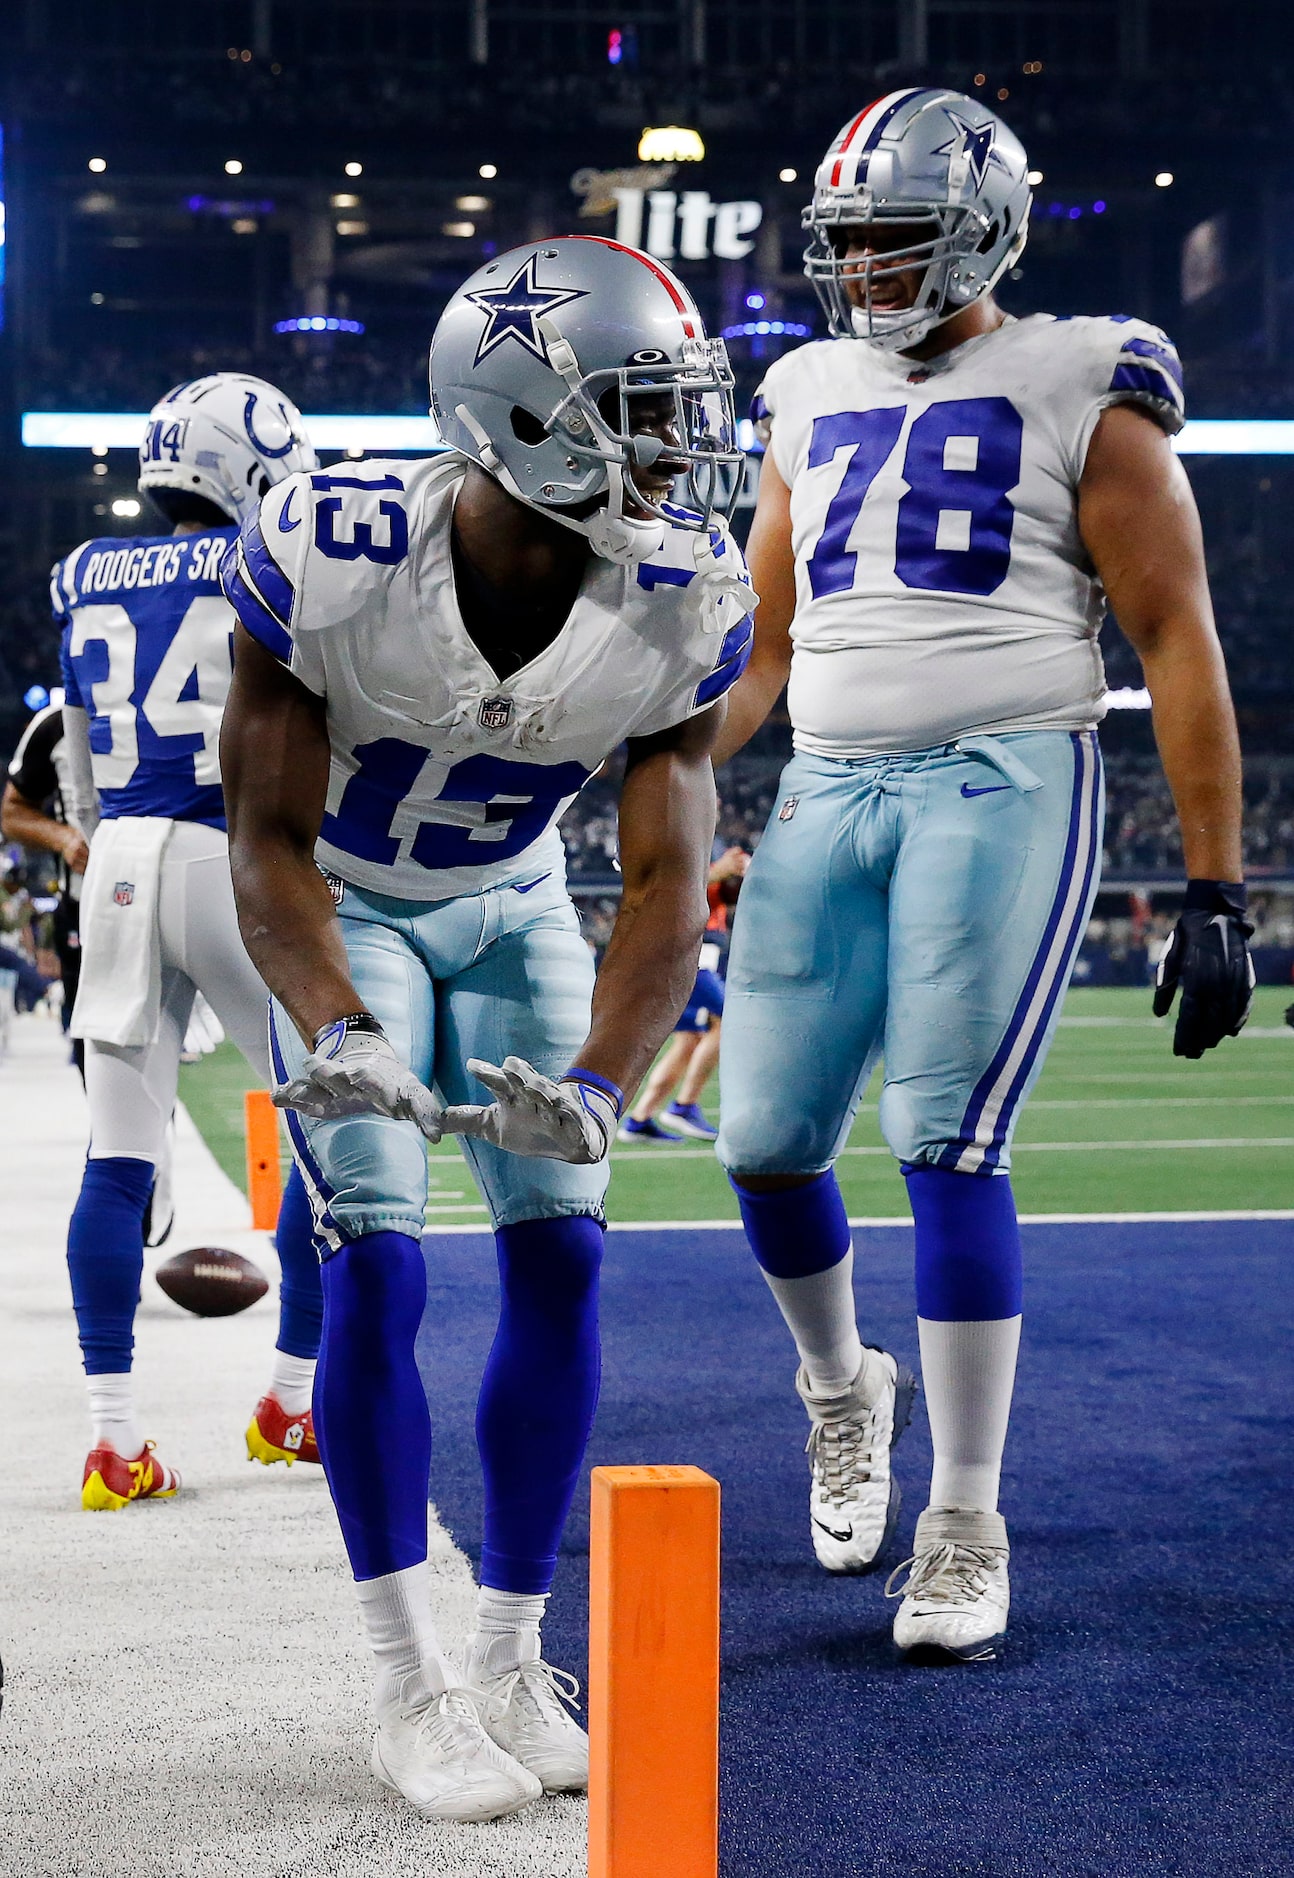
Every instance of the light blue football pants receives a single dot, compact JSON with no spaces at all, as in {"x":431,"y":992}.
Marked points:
{"x":495,"y":974}
{"x":927,"y":908}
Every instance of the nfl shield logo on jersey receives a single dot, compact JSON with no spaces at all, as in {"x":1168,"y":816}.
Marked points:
{"x":495,"y":713}
{"x":788,"y":808}
{"x":123,"y":894}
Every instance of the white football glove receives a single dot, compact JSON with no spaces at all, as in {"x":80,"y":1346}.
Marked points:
{"x":572,"y":1120}
{"x":353,"y":1070}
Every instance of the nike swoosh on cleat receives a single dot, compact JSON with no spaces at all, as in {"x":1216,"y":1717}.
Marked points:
{"x":988,"y":789}
{"x":843,"y":1537}
{"x":285,"y":526}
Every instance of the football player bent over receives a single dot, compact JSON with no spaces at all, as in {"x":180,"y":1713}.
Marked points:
{"x":433,"y":658}
{"x":948,"y":497}
{"x":147,"y":666}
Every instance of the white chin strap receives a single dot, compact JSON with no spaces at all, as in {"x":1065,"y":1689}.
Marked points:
{"x":612,"y":535}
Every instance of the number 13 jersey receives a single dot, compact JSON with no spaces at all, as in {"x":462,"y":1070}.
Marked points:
{"x":941,"y":583}
{"x":446,"y":779}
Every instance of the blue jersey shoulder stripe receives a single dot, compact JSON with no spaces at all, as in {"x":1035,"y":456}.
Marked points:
{"x":1150,"y":380}
{"x":264,"y":572}
{"x":724,"y":675}
{"x":1163,"y":356}
{"x":252,"y":610}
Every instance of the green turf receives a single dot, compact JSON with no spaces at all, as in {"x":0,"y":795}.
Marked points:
{"x":1098,"y":1136}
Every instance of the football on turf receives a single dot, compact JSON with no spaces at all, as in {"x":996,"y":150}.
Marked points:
{"x":211,"y":1282}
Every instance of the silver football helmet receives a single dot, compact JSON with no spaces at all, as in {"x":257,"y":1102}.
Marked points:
{"x":228,"y":438}
{"x":539,"y":365}
{"x":942,"y":163}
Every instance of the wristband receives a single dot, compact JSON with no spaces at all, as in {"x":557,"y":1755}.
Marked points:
{"x":341,"y":1027}
{"x":1216,"y":896}
{"x":594,"y":1081}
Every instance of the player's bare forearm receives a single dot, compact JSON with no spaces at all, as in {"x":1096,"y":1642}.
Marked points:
{"x":771,"y":559}
{"x":1139,"y":523}
{"x":667,"y":817}
{"x":274,"y":760}
{"x":21,"y":820}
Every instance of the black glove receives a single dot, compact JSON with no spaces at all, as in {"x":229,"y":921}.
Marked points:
{"x":1208,"y":956}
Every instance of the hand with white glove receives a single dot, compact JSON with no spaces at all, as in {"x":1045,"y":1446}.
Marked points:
{"x":571,"y":1120}
{"x":352,"y":1070}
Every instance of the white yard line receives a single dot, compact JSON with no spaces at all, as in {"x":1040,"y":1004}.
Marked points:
{"x":666,"y":1153}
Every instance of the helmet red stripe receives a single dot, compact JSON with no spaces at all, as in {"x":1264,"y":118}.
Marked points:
{"x":848,"y":138}
{"x":666,"y":280}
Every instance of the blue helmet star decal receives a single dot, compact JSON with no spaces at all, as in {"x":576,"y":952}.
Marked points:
{"x":976,"y":145}
{"x":513,"y":310}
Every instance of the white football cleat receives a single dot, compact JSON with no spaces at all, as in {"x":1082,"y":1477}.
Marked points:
{"x":958,"y":1593}
{"x":526,"y":1711}
{"x":440,"y":1757}
{"x":853,"y":1497}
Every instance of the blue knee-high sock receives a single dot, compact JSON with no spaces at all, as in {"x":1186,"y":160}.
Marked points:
{"x":300,"y":1286}
{"x":969,"y":1265}
{"x":370,"y":1411}
{"x":538,"y":1395}
{"x":105,"y":1260}
{"x":796,"y":1231}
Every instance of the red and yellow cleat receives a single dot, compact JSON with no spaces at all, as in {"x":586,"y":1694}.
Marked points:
{"x":274,"y":1435}
{"x":111,"y":1481}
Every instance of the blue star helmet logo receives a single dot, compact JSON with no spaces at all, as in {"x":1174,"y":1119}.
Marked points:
{"x":976,"y":145}
{"x":513,"y":310}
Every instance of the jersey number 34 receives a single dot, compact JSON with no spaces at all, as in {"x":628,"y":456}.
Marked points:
{"x":953,"y":530}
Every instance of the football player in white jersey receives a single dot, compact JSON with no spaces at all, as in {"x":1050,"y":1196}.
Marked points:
{"x":146,"y":665}
{"x":433,"y":658}
{"x":949,"y":496}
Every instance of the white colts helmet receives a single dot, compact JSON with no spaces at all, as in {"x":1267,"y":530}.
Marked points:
{"x":534,"y":368}
{"x":941,"y":163}
{"x":227,"y":438}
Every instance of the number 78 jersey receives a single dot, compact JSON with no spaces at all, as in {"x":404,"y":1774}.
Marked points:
{"x":942,"y":586}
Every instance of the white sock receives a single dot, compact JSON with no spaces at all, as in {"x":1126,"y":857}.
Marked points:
{"x":507,"y":1630}
{"x":292,"y":1380}
{"x":395,"y":1611}
{"x":819,"y":1312}
{"x":968,"y":1374}
{"x":112,"y":1414}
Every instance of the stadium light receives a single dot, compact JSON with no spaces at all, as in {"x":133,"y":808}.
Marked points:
{"x":354,"y":169}
{"x":1034,"y":178}
{"x":322,"y":322}
{"x":98,"y":165}
{"x":787,"y":176}
{"x":126,"y":505}
{"x":489,"y":171}
{"x":233,"y":167}
{"x":670,"y":143}
{"x":1164,"y":179}
{"x":122,"y":430}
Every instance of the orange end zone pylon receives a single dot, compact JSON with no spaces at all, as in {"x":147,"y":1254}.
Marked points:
{"x":264,"y":1181}
{"x":654,"y":1673}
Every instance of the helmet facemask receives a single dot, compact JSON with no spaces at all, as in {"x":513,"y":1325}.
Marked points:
{"x":948,"y":241}
{"x":690,"y":432}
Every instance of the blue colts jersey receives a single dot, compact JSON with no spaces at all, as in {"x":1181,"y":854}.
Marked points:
{"x":147,"y":654}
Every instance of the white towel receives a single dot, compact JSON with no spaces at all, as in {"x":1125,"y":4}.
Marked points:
{"x":119,"y":997}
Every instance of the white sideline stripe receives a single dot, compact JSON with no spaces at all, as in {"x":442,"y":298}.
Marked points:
{"x":887,"y":1219}
{"x":1020,"y":1147}
{"x":464,"y":1206}
{"x":1165,"y":1023}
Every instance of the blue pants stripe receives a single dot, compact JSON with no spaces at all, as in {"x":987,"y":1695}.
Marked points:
{"x":991,"y":1110}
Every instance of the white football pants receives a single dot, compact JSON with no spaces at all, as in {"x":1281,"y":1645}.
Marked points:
{"x":132,"y":1091}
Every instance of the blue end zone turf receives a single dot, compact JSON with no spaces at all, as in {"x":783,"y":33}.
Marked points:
{"x":1137,"y":1724}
